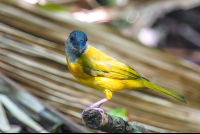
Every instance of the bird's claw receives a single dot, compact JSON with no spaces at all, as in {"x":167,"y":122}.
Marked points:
{"x":100,"y":110}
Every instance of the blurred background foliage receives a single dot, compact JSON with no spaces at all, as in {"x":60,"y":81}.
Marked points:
{"x":159,"y":39}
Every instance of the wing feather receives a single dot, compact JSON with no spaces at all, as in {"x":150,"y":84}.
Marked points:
{"x":110,"y":69}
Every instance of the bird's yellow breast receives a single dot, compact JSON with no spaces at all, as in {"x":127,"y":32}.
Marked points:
{"x":76,"y":68}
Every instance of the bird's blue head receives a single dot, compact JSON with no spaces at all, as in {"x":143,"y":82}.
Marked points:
{"x":76,"y":45}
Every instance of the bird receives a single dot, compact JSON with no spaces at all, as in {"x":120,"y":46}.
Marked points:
{"x":95,"y":69}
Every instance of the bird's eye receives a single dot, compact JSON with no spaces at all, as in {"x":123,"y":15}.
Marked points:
{"x":71,"y":38}
{"x":86,"y":39}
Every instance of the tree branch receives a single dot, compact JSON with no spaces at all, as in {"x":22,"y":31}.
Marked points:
{"x":109,"y":123}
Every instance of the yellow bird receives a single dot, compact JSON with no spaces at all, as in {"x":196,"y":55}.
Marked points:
{"x":95,"y":69}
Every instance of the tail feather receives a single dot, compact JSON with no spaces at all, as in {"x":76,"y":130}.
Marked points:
{"x":162,"y":90}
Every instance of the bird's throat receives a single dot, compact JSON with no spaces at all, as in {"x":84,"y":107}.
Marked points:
{"x":74,"y":55}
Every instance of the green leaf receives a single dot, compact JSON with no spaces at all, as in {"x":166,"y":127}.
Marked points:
{"x":52,"y":7}
{"x":119,"y":113}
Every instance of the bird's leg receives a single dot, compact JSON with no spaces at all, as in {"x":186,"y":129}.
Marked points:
{"x":96,"y":106}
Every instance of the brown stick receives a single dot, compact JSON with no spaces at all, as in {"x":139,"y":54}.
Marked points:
{"x":108,"y":123}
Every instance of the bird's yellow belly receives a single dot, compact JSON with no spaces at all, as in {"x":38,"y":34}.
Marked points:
{"x":110,"y":84}
{"x":118,"y":85}
{"x":101,"y":83}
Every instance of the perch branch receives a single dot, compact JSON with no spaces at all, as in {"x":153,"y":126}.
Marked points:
{"x":109,"y":123}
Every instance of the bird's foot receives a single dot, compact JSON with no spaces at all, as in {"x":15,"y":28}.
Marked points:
{"x":100,"y":110}
{"x":95,"y":106}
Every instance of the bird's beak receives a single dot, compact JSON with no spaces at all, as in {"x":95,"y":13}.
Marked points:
{"x":81,"y":45}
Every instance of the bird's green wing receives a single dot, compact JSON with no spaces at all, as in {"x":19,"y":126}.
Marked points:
{"x":96,"y":68}
{"x":109,"y":69}
{"x":122,"y":71}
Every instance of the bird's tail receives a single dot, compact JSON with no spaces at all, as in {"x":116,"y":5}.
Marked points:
{"x":162,"y":90}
